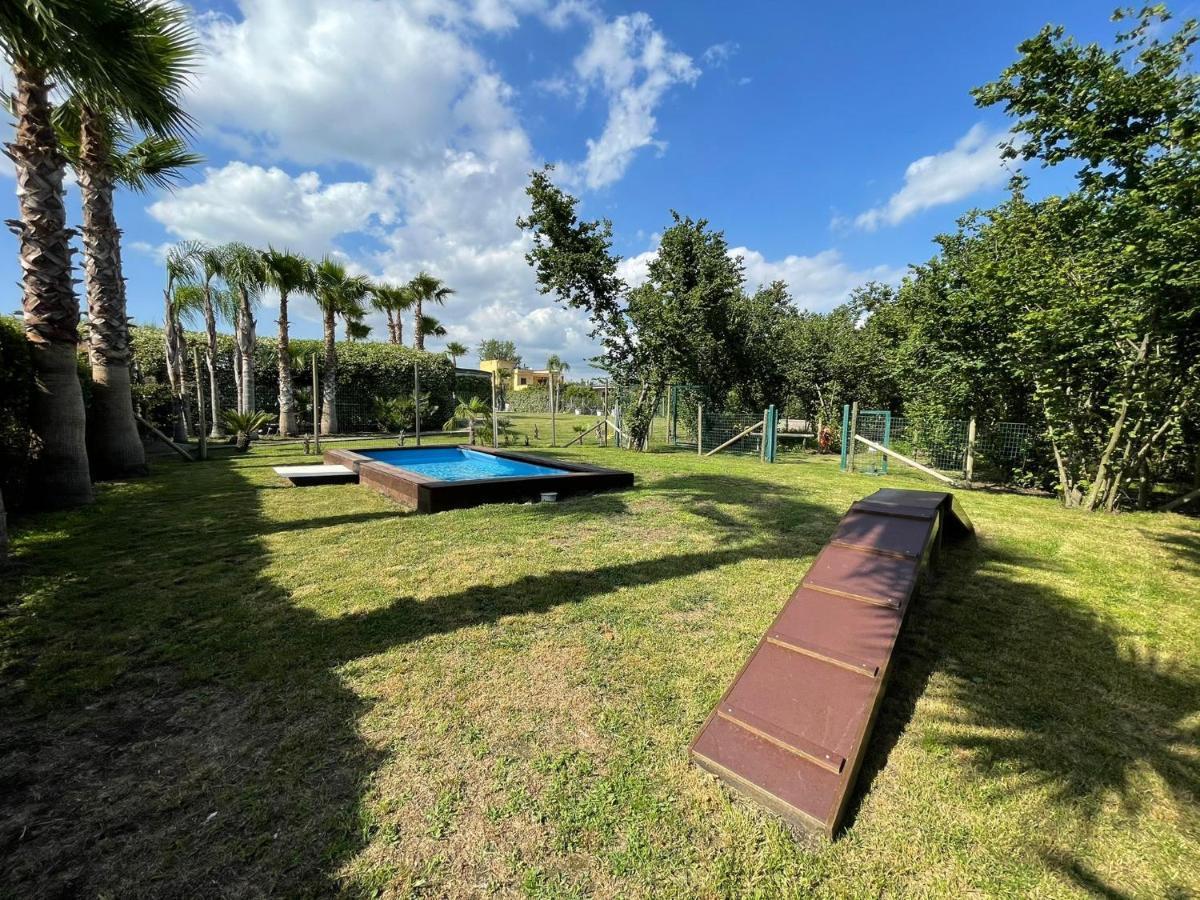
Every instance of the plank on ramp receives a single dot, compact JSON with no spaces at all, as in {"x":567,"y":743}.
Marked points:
{"x":792,"y":730}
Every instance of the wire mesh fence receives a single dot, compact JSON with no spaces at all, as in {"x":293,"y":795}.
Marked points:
{"x":693,"y":424}
{"x":989,"y":451}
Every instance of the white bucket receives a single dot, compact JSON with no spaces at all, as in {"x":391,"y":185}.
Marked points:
{"x":550,"y":497}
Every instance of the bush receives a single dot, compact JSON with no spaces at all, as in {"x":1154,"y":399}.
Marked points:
{"x":16,"y":393}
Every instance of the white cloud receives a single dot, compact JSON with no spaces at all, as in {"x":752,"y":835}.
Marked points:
{"x":818,"y":282}
{"x":719,"y":54}
{"x":631,"y":63}
{"x":242,"y":202}
{"x":973,"y":163}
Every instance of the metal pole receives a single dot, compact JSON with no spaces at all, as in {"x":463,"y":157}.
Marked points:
{"x":887,"y":437}
{"x":495,"y":424}
{"x":316,"y":408}
{"x":762,"y":443}
{"x":969,"y":471}
{"x":699,"y":429}
{"x":417,"y":401}
{"x":203,"y":426}
{"x":853,"y":434}
{"x":846,"y":439}
{"x":553,"y":416}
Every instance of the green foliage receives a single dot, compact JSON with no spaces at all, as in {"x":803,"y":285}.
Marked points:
{"x":491,"y":348}
{"x":366,"y":370}
{"x":245,"y":425}
{"x":16,"y":392}
{"x":532,"y":399}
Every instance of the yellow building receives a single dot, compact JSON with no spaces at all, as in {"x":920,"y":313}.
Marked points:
{"x":519,"y":378}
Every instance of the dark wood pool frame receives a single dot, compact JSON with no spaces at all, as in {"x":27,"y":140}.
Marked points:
{"x":429,"y":495}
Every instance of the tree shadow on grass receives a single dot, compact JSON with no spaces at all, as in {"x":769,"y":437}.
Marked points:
{"x":1043,"y":689}
{"x":174,"y":724}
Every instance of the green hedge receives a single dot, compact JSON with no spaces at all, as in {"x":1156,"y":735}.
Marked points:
{"x":368,"y":373}
{"x":16,"y":392}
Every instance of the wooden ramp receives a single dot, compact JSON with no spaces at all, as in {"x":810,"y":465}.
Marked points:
{"x":792,"y":729}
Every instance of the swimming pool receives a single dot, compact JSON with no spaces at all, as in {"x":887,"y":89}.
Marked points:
{"x":433,"y":479}
{"x":458,"y":463}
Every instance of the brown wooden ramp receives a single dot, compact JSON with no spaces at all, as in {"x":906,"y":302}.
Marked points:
{"x":792,"y":729}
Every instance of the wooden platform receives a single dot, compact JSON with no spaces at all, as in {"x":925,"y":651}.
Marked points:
{"x":793,"y":728}
{"x":310,"y":475}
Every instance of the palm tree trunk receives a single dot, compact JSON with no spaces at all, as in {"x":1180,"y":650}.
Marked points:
{"x":210,"y":361}
{"x":237,"y":363}
{"x":114,"y":445}
{"x":245,"y":339}
{"x":329,"y":421}
{"x":287,"y":418}
{"x":418,"y":331}
{"x":50,"y":306}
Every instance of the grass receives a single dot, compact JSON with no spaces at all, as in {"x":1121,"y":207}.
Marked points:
{"x":216,"y":684}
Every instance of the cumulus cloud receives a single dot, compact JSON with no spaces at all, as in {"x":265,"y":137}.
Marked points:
{"x":719,"y":54}
{"x":819,"y":282}
{"x":972,"y":164}
{"x":263,"y":206}
{"x":633,"y":65}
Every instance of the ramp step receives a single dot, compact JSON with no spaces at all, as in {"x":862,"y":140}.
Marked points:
{"x":799,"y":645}
{"x":781,"y":737}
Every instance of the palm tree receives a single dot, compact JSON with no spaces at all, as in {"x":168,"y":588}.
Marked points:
{"x":217,"y":302}
{"x":245,"y":274}
{"x":288,"y":273}
{"x":100,"y":50}
{"x":425,"y":289}
{"x":393,"y":300}
{"x":555,"y":366}
{"x":430,"y":326}
{"x":181,"y":269}
{"x":357,"y":330}
{"x":104,"y":153}
{"x":244,"y":425}
{"x":474,"y":412}
{"x":454,"y":350}
{"x":338,"y":293}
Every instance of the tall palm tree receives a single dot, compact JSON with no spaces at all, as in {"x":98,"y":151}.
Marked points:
{"x":555,"y":366}
{"x":217,"y":302}
{"x":98,"y":49}
{"x":454,"y":350}
{"x":393,"y":300}
{"x":425,"y":289}
{"x":243,"y":270}
{"x":181,"y":269}
{"x":288,"y":273}
{"x":338,"y":293}
{"x":357,"y":330}
{"x":104,"y":152}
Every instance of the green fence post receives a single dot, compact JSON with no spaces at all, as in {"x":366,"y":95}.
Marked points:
{"x":845,"y":428}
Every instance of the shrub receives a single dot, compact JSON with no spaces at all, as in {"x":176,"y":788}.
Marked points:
{"x":16,"y":392}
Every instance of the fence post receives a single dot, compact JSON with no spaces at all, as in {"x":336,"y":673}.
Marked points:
{"x":887,"y":438}
{"x":845,"y":428}
{"x":969,"y":470}
{"x":762,"y":441}
{"x":203,"y":426}
{"x":553,"y":414}
{"x":316,"y":409}
{"x":773,"y":433}
{"x":699,"y":429}
{"x":417,"y":402}
{"x":495,"y":425}
{"x":853,"y":432}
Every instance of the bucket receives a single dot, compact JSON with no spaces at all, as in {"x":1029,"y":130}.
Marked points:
{"x":550,"y":497}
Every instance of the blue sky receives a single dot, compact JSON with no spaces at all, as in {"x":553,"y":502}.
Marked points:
{"x":830,"y":142}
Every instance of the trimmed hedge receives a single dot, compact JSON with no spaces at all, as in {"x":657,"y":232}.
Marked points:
{"x":367,"y":374}
{"x":16,"y":393}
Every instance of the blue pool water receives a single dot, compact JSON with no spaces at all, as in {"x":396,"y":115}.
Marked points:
{"x":458,"y":464}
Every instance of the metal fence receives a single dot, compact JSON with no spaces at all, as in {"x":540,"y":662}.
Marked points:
{"x":984,"y":451}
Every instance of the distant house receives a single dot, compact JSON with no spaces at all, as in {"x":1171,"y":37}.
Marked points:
{"x":520,"y":378}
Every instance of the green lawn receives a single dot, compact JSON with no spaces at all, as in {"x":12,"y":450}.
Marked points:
{"x":214,"y":684}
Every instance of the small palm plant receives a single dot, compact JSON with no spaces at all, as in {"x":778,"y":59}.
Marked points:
{"x":505,"y":430}
{"x":474,"y":413}
{"x":245,"y":425}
